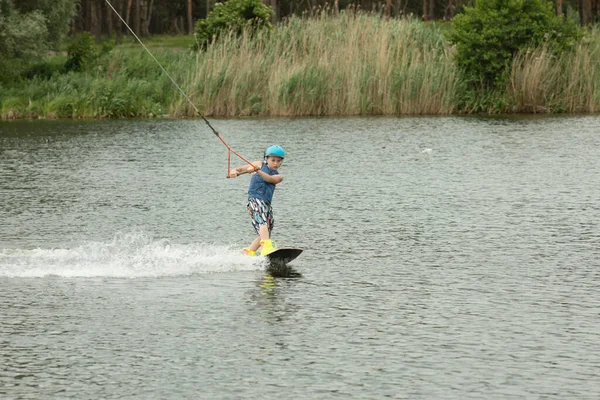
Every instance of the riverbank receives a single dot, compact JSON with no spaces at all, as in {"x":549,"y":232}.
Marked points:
{"x":354,"y":64}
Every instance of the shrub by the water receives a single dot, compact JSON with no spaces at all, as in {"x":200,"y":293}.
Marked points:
{"x":81,"y":52}
{"x":233,"y":15}
{"x":353,"y":63}
{"x":45,"y":69}
{"x":491,"y":33}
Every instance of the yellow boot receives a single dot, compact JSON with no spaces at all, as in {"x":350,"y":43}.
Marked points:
{"x":248,"y":252}
{"x":266,"y":247}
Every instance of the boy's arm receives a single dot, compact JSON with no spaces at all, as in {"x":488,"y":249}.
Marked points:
{"x":245,"y":169}
{"x":274,"y":179}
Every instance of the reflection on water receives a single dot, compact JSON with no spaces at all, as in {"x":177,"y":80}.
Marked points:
{"x":282,"y":271}
{"x":444,"y":258}
{"x":267,"y":299}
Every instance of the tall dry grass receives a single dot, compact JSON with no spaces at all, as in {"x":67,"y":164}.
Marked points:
{"x":569,"y":82}
{"x":351,"y":64}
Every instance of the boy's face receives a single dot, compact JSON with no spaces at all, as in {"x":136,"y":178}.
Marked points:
{"x":274,"y":162}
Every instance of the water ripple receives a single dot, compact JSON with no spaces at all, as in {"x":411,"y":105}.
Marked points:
{"x":445,"y":258}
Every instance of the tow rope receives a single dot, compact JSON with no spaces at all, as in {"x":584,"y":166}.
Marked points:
{"x":229,"y":149}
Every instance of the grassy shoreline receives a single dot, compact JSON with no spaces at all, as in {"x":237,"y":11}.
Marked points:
{"x":354,"y":64}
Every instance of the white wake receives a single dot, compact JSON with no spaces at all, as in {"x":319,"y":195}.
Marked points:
{"x":127,"y":256}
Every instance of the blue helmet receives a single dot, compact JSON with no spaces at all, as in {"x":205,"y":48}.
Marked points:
{"x":275,"y":151}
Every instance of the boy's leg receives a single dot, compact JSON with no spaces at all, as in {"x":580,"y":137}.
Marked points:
{"x":264,"y":232}
{"x":251,"y":250}
{"x":266,"y":245}
{"x":255,"y":244}
{"x":262,"y":221}
{"x":256,"y":211}
{"x":261,"y":239}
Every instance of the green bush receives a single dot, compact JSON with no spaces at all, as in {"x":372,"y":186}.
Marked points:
{"x":63,"y":106}
{"x":81,"y":52}
{"x":12,"y":106}
{"x":232,"y":15}
{"x":57,"y":16}
{"x":489,"y":34}
{"x":45,"y":69}
{"x":107,"y":46}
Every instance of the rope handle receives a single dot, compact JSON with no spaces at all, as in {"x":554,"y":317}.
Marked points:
{"x":230,"y":150}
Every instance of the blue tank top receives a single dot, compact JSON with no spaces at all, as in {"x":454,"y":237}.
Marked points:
{"x":259,"y":189}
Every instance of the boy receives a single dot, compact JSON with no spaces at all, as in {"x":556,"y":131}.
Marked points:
{"x":260,"y":195}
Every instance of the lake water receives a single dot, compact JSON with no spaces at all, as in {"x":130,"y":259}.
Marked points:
{"x":453,"y":257}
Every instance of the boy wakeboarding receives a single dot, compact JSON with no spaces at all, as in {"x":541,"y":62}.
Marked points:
{"x":260,"y":195}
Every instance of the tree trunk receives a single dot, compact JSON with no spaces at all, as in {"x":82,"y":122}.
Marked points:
{"x":450,"y":9}
{"x":108,"y":13}
{"x":207,"y":7}
{"x":120,"y":8}
{"x":277,"y":10}
{"x":425,"y":10}
{"x":144,"y":18}
{"x":178,"y":25}
{"x":138,"y":17}
{"x":388,"y":8}
{"x":148,"y":18}
{"x":95,"y":20}
{"x":189,"y":17}
{"x":129,"y":4}
{"x":432,"y":9}
{"x":85,"y":16}
{"x":585,"y":12}
{"x":402,"y":7}
{"x":559,"y":4}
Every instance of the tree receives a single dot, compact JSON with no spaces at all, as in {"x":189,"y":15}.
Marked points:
{"x":28,"y":30}
{"x":274,"y":4}
{"x":189,"y":17}
{"x":585,"y":12}
{"x":22,"y":36}
{"x":233,"y":15}
{"x":81,"y":52}
{"x":489,"y":34}
{"x":57,"y":16}
{"x":138,"y":17}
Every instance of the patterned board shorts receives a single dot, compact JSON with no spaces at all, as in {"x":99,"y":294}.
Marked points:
{"x":261,"y":213}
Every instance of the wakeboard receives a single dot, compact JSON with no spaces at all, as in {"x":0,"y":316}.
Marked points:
{"x":283,"y":255}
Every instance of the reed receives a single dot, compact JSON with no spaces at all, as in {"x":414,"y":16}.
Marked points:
{"x":125,"y":84}
{"x":351,"y":64}
{"x":569,"y":82}
{"x":354,"y":63}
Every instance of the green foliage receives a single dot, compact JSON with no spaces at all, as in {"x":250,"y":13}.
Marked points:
{"x":81,"y":52}
{"x":159,"y":41}
{"x":307,"y":66}
{"x":124,"y":84}
{"x":45,"y":69}
{"x":28,"y":29}
{"x":63,"y":106}
{"x":57,"y":15}
{"x":22,"y":36}
{"x":232,"y":15}
{"x":13,"y":103}
{"x":106,"y":46}
{"x":488,"y":35}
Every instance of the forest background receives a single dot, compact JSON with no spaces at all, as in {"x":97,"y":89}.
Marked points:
{"x":75,"y":59}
